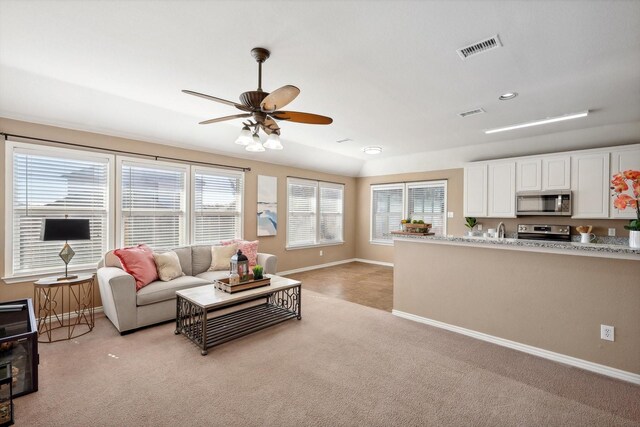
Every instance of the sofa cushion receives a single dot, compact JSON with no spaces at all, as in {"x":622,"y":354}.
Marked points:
{"x":200,"y":259}
{"x":184,"y":255}
{"x":221,"y":257}
{"x":138,"y":262}
{"x":168,"y":265}
{"x":249,"y":248}
{"x":159,"y":291}
{"x":210,"y":276}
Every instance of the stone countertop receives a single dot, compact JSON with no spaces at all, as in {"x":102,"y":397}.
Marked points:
{"x":566,"y":248}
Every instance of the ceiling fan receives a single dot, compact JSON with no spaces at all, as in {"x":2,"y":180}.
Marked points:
{"x":264,"y":108}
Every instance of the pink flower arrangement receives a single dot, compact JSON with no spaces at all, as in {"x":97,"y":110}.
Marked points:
{"x":621,"y":182}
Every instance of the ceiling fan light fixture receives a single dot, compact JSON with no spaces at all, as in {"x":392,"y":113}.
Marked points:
{"x":273,"y":142}
{"x":256,"y":145}
{"x":373,"y":149}
{"x":245,"y":136}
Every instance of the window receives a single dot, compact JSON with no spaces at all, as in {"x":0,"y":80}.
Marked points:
{"x":153,"y":204}
{"x":217,"y":211}
{"x":391,"y":203}
{"x":45,"y":182}
{"x":386,"y":211}
{"x":427,"y":202}
{"x":314,"y":212}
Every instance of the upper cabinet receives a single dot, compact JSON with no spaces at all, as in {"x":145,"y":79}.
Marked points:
{"x":475,"y":190}
{"x":590,"y":185}
{"x":529,"y":175}
{"x":543,"y":173}
{"x":556,"y":173}
{"x":621,"y":161}
{"x":502,"y":190}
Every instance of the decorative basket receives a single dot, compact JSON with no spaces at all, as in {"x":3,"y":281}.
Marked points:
{"x":416,"y":228}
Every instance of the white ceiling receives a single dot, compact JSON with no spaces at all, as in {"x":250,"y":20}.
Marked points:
{"x":386,"y":71}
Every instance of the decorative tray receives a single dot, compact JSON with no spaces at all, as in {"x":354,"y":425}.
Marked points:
{"x":223,"y":285}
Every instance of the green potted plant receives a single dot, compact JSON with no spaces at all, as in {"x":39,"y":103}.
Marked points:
{"x":470,"y":222}
{"x":257,"y":272}
{"x":622,"y":182}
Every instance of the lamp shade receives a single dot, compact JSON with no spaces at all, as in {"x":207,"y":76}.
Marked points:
{"x":65,"y":229}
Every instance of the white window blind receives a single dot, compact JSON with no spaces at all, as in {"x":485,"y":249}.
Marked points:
{"x":217,"y":211}
{"x":301,"y":208}
{"x":51,"y":184}
{"x":331,"y":212}
{"x":153,"y":204}
{"x":314,"y":213}
{"x":387,"y":202}
{"x":428,"y":202}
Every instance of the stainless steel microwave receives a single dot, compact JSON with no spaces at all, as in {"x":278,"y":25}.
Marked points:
{"x":557,"y":203}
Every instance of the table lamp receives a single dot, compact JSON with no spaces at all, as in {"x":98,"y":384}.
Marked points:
{"x":65,"y":229}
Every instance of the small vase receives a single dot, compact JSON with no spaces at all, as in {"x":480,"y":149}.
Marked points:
{"x":634,"y":239}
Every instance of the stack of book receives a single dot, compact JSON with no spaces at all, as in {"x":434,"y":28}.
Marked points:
{"x":224,"y":285}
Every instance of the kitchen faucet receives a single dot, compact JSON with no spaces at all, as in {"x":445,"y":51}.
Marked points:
{"x":501,"y":230}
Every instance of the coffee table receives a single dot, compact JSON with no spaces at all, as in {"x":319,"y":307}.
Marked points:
{"x":282,"y":301}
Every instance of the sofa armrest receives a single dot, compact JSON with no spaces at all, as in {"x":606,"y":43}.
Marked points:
{"x":118,"y":293}
{"x":269,"y":262}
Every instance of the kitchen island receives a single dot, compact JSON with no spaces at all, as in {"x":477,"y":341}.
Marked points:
{"x":533,"y":296}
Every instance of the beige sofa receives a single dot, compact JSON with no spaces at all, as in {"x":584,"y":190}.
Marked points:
{"x":156,"y":302}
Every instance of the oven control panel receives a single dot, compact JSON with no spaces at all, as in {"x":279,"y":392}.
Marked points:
{"x":544,"y":229}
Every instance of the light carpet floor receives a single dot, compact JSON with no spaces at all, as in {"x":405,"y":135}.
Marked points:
{"x":342,"y":365}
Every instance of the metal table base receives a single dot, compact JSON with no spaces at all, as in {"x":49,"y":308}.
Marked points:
{"x":193,"y":322}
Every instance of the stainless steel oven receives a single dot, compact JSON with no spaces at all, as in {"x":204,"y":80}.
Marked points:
{"x":557,"y":233}
{"x":557,"y":203}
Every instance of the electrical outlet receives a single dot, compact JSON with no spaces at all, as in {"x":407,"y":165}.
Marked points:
{"x":607,"y":332}
{"x":320,"y":253}
{"x":612,"y":232}
{"x":479,"y":227}
{"x":449,"y":214}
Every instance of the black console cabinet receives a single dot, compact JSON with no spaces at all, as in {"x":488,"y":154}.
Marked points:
{"x":19,"y":344}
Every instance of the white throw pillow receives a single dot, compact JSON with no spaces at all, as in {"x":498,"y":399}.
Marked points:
{"x":168,"y":265}
{"x":221,"y":256}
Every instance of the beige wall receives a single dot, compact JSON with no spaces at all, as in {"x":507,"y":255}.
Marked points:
{"x":550,"y":301}
{"x":455,"y":225}
{"x":384,"y":253}
{"x":287,"y":260}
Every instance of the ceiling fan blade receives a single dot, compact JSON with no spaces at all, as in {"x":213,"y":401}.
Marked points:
{"x":296,"y":116}
{"x":279,"y":98}
{"x":213,"y":98}
{"x":222,"y":119}
{"x":270,"y":126}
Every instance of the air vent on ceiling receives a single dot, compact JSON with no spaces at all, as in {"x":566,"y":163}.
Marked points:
{"x":343,"y":140}
{"x":471,"y":112}
{"x":485,"y":45}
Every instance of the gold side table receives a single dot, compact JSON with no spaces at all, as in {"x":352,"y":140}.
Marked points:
{"x":66,"y":305}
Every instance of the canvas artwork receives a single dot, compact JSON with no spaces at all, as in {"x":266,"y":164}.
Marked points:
{"x":267,"y":205}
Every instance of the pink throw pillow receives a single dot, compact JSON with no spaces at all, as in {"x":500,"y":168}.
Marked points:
{"x":138,"y":262}
{"x":250,"y":249}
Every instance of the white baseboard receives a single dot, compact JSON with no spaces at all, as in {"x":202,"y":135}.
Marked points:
{"x":370,"y":261}
{"x":315,"y":267}
{"x":72,"y":314}
{"x":556,"y":357}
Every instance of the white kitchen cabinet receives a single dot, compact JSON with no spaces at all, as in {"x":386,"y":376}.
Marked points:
{"x":475,"y":190}
{"x":590,"y":185}
{"x":556,"y":173}
{"x":621,"y":161}
{"x":529,"y":175}
{"x":501,"y":200}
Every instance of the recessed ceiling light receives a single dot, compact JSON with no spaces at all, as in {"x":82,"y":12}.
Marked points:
{"x":373,"y":149}
{"x":507,"y":96}
{"x":540,"y":122}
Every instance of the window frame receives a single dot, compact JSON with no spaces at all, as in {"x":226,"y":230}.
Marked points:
{"x":405,"y":204}
{"x":175,"y":166}
{"x":317,"y":240}
{"x":12,"y":147}
{"x":192,"y":206}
